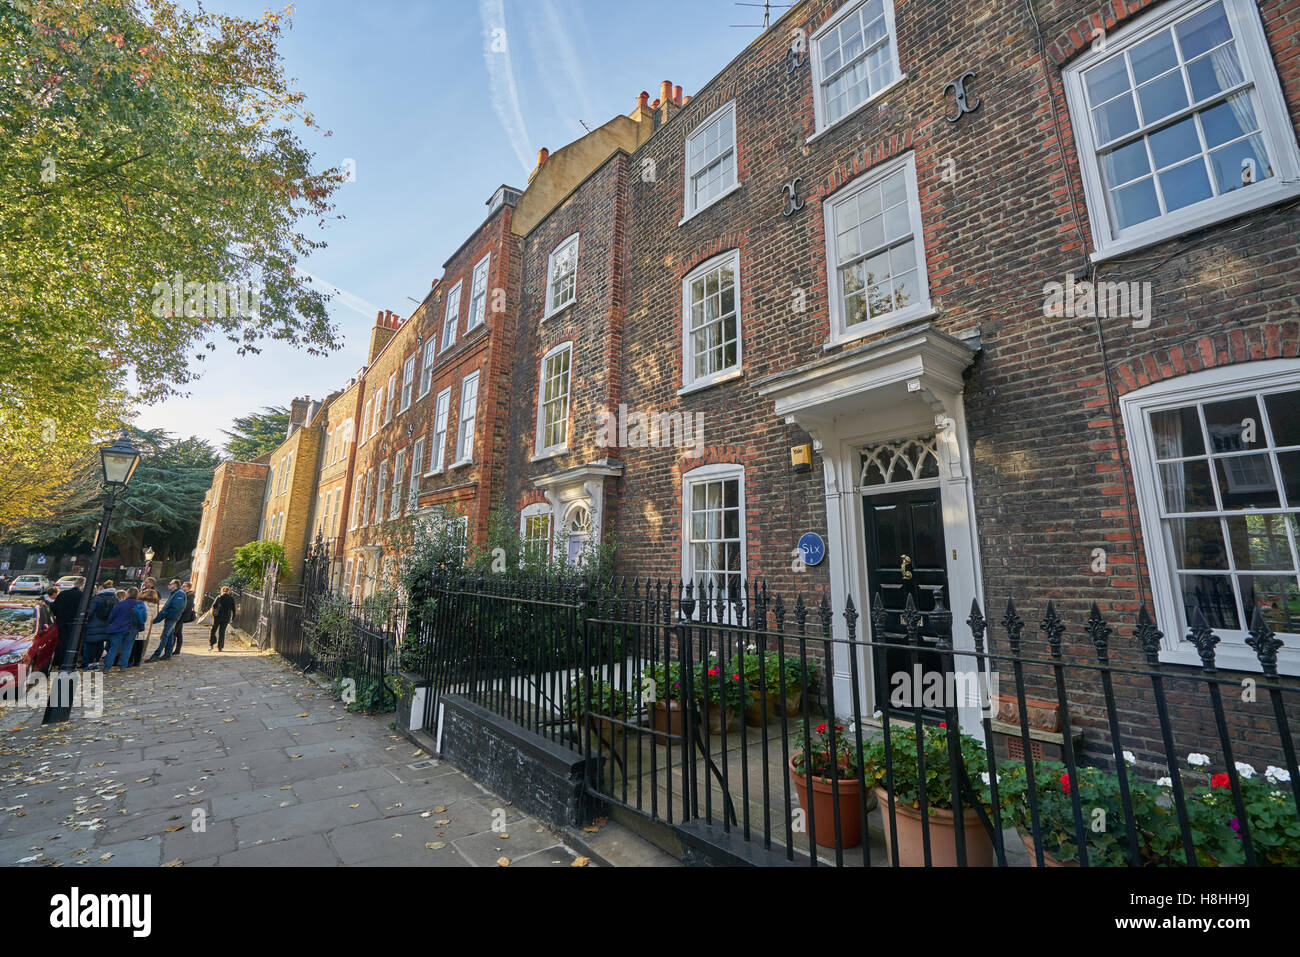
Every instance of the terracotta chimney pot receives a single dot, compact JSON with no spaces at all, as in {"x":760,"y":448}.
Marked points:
{"x":642,"y":99}
{"x":677,"y":95}
{"x":654,"y":105}
{"x":542,"y":155}
{"x":665,"y":91}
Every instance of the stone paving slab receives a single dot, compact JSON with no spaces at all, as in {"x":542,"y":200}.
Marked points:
{"x":236,"y":759}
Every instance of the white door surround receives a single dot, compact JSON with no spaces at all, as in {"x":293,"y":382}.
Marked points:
{"x":905,"y":385}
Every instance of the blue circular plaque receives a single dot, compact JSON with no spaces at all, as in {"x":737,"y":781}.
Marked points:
{"x":813,"y":548}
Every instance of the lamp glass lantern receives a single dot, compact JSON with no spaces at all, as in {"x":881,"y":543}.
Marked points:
{"x":119,"y":462}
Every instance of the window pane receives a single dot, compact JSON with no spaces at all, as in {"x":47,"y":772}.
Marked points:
{"x":1229,"y":120}
{"x":1246,"y":481}
{"x":1212,"y":74}
{"x":1174,"y":143}
{"x":1177,"y":433}
{"x":1212,"y":595}
{"x":1153,"y":57}
{"x":1198,"y":544}
{"x":1260,"y":542}
{"x":1184,"y":185}
{"x":1284,"y":417}
{"x":1115,"y":118}
{"x":1107,"y":81}
{"x":1187,"y":487}
{"x":1161,"y":97}
{"x":1276,"y":596}
{"x":1240,"y":164}
{"x":1232,"y":423}
{"x":1136,"y":203}
{"x":1207,"y":29}
{"x":1127,"y":163}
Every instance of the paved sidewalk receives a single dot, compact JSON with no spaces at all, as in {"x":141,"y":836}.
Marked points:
{"x":275,"y":769}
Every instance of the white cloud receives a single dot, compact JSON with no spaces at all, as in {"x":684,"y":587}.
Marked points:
{"x":501,"y":79}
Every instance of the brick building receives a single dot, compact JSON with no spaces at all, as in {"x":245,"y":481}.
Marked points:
{"x":337,"y":421}
{"x":1022,"y":278}
{"x":232,"y":512}
{"x":291,"y":484}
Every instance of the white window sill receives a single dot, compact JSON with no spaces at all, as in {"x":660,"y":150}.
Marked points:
{"x":856,"y":110}
{"x":559,"y":309}
{"x":1167,"y":227}
{"x":721,"y":378}
{"x":459,"y":465}
{"x":437,"y":471}
{"x":734,"y":187}
{"x":906,"y":317}
{"x":550,"y":453}
{"x":1230,"y":655}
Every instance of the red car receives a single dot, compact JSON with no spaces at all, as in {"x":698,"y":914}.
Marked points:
{"x":28,"y":637}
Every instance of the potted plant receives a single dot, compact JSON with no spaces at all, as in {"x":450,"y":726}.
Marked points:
{"x":666,"y":693}
{"x":721,"y":690}
{"x":765,"y":669}
{"x":835,"y":774}
{"x":597,"y":708}
{"x":905,"y":796}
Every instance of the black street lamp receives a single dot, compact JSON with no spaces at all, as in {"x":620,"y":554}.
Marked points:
{"x":119,"y":461}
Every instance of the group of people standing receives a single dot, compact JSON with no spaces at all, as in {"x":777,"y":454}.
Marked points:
{"x":119,"y":623}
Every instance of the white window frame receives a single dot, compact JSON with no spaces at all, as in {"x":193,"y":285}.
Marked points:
{"x":397,"y":500}
{"x":347,"y":576}
{"x":820,"y":123}
{"x":381,"y":489}
{"x":390,"y":396}
{"x":417,"y":466}
{"x":689,"y":380}
{"x":426,"y":365}
{"x":690,"y":208}
{"x":922,"y":308}
{"x":542,"y":450}
{"x":338,"y":512}
{"x":367,"y":516}
{"x":1276,"y":128}
{"x":697,"y":476}
{"x":478,"y":293}
{"x":1221,"y":382}
{"x":441,"y":425}
{"x":408,"y":382}
{"x":467,"y":422}
{"x":552,"y":306}
{"x":356,"y":507}
{"x":534,"y":511}
{"x":451,"y":316}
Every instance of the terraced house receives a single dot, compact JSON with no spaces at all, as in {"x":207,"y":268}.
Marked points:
{"x":1021,"y":276}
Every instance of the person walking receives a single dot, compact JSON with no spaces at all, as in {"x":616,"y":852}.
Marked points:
{"x":125,"y":622}
{"x":170,"y":616}
{"x":187,"y":615}
{"x":152,"y":601}
{"x":65,"y":608}
{"x":92,"y":642}
{"x":223,"y":613}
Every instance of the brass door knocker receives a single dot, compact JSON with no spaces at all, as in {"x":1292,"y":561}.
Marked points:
{"x":906,"y":567}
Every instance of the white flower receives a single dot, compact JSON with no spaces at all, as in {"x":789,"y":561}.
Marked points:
{"x":750,"y":647}
{"x":1277,"y":775}
{"x":1244,"y":769}
{"x":1198,"y":760}
{"x":1165,"y":782}
{"x":1129,"y":759}
{"x":877,"y":715}
{"x":713,"y":654}
{"x":984,"y":776}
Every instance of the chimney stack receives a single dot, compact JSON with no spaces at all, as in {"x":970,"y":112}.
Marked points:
{"x":665,"y":91}
{"x":642,"y":100}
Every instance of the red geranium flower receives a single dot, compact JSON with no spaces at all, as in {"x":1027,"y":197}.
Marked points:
{"x":736,"y":676}
{"x":713,"y":672}
{"x":1065,"y":783}
{"x":1220,"y":780}
{"x":821,"y":728}
{"x":943,"y":724}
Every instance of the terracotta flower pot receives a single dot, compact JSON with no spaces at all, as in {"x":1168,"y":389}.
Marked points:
{"x":823,"y":807}
{"x":666,"y":716}
{"x":943,"y":836}
{"x":715,"y":718}
{"x":1048,"y":859}
{"x":754,"y":716}
{"x":789,"y":706}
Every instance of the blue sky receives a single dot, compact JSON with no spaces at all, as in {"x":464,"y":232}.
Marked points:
{"x":408,"y":93}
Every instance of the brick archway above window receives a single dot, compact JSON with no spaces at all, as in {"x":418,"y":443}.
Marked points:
{"x":706,"y":251}
{"x":1079,"y":36}
{"x":715,"y":455}
{"x":1267,"y":341}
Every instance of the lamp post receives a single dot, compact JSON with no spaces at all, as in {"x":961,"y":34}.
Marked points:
{"x":148,"y":563}
{"x":119,"y":461}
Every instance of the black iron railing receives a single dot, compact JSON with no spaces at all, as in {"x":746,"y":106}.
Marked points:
{"x":761,"y":717}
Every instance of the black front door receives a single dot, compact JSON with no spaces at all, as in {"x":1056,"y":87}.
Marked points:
{"x":905,"y":557}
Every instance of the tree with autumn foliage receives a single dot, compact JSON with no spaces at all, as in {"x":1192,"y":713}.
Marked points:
{"x":142,"y":142}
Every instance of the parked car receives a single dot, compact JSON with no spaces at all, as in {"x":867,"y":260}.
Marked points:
{"x":28,"y":638}
{"x":70,"y":581}
{"x":29,"y":585}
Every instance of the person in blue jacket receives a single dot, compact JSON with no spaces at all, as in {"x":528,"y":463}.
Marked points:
{"x":96,"y":631}
{"x":128,"y":618}
{"x":169,"y":615}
